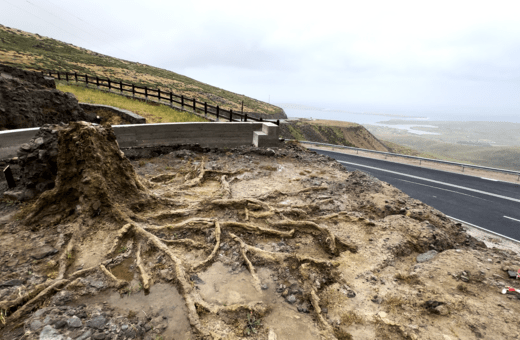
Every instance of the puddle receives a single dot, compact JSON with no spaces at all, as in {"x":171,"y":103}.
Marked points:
{"x":224,"y":288}
{"x":122,"y":271}
{"x":164,"y":299}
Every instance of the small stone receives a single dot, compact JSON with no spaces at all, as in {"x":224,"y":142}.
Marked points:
{"x":98,"y":322}
{"x":99,"y":336}
{"x":291,"y":299}
{"x":85,"y":335}
{"x":124,"y":327}
{"x":272,"y":335}
{"x":36,"y":325}
{"x":264,"y":287}
{"x":60,"y":324}
{"x":512,"y":274}
{"x":47,"y":320}
{"x":42,"y":252}
{"x":97,"y":284}
{"x":11,"y":283}
{"x":442,"y":310}
{"x":324,"y":310}
{"x":49,"y":333}
{"x":426,"y":256}
{"x":74,"y":322}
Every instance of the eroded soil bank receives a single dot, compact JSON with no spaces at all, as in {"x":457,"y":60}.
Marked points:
{"x":281,"y":243}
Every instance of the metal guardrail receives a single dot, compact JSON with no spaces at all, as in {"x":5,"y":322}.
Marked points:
{"x":414,"y":157}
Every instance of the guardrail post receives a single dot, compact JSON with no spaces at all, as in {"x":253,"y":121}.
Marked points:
{"x":9,"y":177}
{"x":230,"y":115}
{"x":205,"y":109}
{"x":463,"y":168}
{"x":182,"y":102}
{"x":218,"y":112}
{"x":420,"y":161}
{"x":194,"y":108}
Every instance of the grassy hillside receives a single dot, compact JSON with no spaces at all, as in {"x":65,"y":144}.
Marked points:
{"x":35,"y":52}
{"x":152,"y":113}
{"x":332,"y":132}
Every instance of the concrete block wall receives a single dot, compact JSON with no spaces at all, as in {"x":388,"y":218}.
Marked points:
{"x":210,"y":134}
{"x":129,"y":116}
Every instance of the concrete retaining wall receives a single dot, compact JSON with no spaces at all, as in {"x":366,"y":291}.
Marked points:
{"x":214,"y":135}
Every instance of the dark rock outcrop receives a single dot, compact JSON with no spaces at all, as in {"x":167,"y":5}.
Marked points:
{"x":29,"y":99}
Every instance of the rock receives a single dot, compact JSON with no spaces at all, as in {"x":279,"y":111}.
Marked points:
{"x":124,"y":327}
{"x":426,"y":256}
{"x":97,"y":284}
{"x":14,"y":195}
{"x":85,"y":335}
{"x":291,"y":299}
{"x":99,"y":336}
{"x":60,"y":324}
{"x":442,"y":310}
{"x":272,"y":335}
{"x":74,"y":322}
{"x":49,"y":333}
{"x":42,"y":252}
{"x":166,"y":274}
{"x":11,"y":283}
{"x":36,"y":325}
{"x":512,"y":274}
{"x":265,"y":287}
{"x":98,"y":322}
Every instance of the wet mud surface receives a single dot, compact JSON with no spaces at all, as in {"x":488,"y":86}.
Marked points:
{"x":280,"y":243}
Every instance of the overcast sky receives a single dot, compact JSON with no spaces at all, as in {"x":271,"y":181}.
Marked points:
{"x":342,"y":54}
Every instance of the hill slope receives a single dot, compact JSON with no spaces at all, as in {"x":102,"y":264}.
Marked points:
{"x":332,"y":132}
{"x":35,"y":52}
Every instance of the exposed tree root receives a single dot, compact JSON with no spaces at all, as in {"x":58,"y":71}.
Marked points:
{"x":225,"y":186}
{"x":210,"y":258}
{"x":145,"y":278}
{"x":118,"y":283}
{"x":254,"y":228}
{"x":65,"y":256}
{"x":243,"y":251}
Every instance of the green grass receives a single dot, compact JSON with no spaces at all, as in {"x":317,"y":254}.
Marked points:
{"x":152,"y":113}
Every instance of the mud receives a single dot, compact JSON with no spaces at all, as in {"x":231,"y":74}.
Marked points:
{"x":192,"y":243}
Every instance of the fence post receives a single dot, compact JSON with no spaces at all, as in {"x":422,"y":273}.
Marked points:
{"x":109,"y":85}
{"x":218,"y":112}
{"x":194,"y":107}
{"x":97,"y":82}
{"x":133,"y":90}
{"x":76,"y":76}
{"x":205,"y":109}
{"x":67,"y":76}
{"x":278,"y":122}
{"x":121,"y":86}
{"x":59,"y":78}
{"x":245,"y":117}
{"x":230,"y":115}
{"x":261,"y":119}
{"x":9,"y":177}
{"x":242,"y":111}
{"x":159,"y":94}
{"x":146,"y":92}
{"x":86,"y":80}
{"x":182,"y":102}
{"x":171,"y":98}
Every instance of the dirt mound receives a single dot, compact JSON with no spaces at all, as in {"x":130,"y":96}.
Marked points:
{"x":244,"y":243}
{"x":28,"y":99}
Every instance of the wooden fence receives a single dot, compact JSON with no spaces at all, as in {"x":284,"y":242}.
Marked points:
{"x":161,"y":96}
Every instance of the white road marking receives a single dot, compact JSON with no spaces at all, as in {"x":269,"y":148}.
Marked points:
{"x":433,"y":181}
{"x":430,"y":186}
{"x":490,"y":179}
{"x":487,"y":230}
{"x":514,"y":219}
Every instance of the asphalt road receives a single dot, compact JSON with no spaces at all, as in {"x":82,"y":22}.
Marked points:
{"x":489,"y":204}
